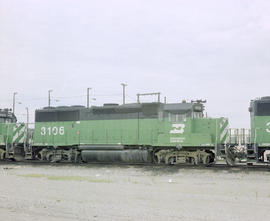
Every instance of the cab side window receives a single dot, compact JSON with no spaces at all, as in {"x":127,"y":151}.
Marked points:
{"x":176,"y":117}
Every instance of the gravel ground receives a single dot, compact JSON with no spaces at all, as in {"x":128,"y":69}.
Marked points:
{"x":109,"y":192}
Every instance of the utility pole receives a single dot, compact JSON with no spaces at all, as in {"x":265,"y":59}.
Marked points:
{"x":27,"y":121}
{"x":124,"y":92}
{"x":14,"y":94}
{"x":49,"y":98}
{"x":26,"y":134}
{"x":88,"y":96}
{"x":27,"y":118}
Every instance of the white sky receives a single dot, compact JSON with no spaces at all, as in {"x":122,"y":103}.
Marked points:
{"x":186,"y":49}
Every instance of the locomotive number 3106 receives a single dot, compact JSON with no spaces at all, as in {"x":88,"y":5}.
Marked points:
{"x":52,"y":131}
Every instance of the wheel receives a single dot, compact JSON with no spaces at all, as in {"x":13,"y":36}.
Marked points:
{"x":38,"y":156}
{"x":171,"y":161}
{"x":3,"y":156}
{"x":230,"y":158}
{"x":192,"y":161}
{"x":154,"y":157}
{"x":230,"y":161}
{"x":50,"y":158}
{"x":207,"y":161}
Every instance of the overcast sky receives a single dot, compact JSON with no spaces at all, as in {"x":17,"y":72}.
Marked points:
{"x":185,"y":49}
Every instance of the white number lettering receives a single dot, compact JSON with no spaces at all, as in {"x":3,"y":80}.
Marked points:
{"x":52,"y":131}
{"x":61,"y":130}
{"x":43,"y":131}
{"x":49,"y":130}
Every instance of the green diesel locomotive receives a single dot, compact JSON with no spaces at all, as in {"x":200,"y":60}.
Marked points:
{"x":140,"y":132}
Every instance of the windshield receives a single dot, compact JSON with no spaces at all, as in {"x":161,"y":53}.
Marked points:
{"x":263,"y":109}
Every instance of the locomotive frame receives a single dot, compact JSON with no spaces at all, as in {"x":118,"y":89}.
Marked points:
{"x":138,"y":133}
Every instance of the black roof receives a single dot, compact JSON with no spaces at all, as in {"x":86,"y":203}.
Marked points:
{"x":6,"y":113}
{"x":113,"y":111}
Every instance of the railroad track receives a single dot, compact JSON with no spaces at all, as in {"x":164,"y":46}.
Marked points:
{"x":147,"y":166}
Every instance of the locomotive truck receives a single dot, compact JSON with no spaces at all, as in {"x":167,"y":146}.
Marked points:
{"x":162,"y":133}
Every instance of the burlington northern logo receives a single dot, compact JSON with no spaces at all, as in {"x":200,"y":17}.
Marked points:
{"x":177,"y":128}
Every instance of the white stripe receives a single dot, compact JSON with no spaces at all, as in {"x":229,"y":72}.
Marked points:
{"x":227,"y":139}
{"x":223,"y":134}
{"x":222,"y":122}
{"x":19,"y":133}
{"x":21,"y":140}
{"x":15,"y":137}
{"x":15,"y":127}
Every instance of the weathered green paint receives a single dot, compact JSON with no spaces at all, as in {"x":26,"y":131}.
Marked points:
{"x":11,"y":133}
{"x":2,"y":132}
{"x":154,"y":132}
{"x":6,"y":133}
{"x":260,"y":130}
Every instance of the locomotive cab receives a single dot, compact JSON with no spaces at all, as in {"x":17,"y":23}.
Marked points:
{"x":260,"y":129}
{"x":6,"y":116}
{"x":6,"y":119}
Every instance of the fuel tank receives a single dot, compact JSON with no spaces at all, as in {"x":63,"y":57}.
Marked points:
{"x":128,"y":156}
